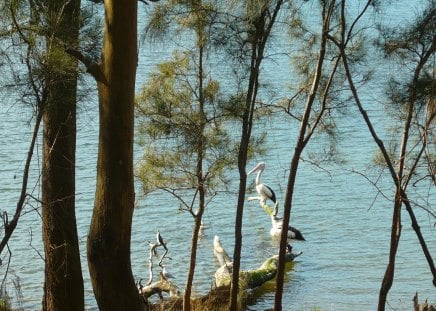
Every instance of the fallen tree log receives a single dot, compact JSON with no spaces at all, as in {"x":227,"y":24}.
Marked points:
{"x":250,"y":278}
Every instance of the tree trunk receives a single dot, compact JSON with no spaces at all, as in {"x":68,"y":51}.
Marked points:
{"x":263,"y":24}
{"x":395,"y":240}
{"x":63,"y":289}
{"x":299,"y":147}
{"x":201,"y":153}
{"x":192,"y":261}
{"x":110,"y":232}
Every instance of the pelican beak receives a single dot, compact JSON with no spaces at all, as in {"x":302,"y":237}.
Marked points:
{"x":254,"y":169}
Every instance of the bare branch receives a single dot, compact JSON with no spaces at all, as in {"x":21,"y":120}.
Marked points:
{"x":374,"y":184}
{"x":92,"y":67}
{"x":10,"y":226}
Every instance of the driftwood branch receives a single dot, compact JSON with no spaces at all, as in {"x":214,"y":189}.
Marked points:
{"x":158,"y":287}
{"x":153,"y":253}
{"x":164,"y":284}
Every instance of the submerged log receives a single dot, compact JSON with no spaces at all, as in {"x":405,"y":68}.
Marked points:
{"x":249,"y":278}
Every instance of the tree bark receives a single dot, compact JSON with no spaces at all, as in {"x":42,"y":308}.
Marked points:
{"x":301,"y":143}
{"x":109,"y":236}
{"x":63,"y":288}
{"x":201,"y":153}
{"x":388,"y":277}
{"x":397,"y":175}
{"x":263,"y":24}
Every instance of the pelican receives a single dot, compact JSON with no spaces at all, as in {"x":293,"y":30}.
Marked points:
{"x":264,"y":191}
{"x":220,"y":252}
{"x":166,"y":275}
{"x":276,"y":230}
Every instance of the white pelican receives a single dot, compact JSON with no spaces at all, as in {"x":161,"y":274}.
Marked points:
{"x":166,"y":275}
{"x":264,"y":191}
{"x":276,"y":230}
{"x":220,"y":252}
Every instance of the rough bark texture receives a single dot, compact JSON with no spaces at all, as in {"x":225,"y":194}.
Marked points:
{"x":110,"y":232}
{"x":63,"y":288}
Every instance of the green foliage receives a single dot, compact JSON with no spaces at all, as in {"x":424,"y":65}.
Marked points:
{"x":5,"y":305}
{"x":5,"y":300}
{"x":185,"y":125}
{"x":182,"y":16}
{"x":410,"y":48}
{"x":410,"y":37}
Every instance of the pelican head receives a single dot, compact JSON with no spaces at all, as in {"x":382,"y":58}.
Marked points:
{"x":265,"y":192}
{"x":259,"y":167}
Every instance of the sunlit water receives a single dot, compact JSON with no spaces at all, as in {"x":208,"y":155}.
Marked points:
{"x":346,"y":229}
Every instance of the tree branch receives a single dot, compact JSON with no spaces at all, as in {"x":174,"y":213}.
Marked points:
{"x":10,"y":226}
{"x":92,"y":67}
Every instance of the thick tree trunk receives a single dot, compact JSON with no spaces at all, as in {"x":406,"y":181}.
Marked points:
{"x":110,"y":232}
{"x":63,"y":288}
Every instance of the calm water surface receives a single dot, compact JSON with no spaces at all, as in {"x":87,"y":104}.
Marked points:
{"x":347,"y":233}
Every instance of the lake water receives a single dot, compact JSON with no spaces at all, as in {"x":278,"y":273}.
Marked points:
{"x":347,"y":233}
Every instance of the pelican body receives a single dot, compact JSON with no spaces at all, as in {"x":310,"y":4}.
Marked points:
{"x":166,"y":275}
{"x":277,"y":226}
{"x":265,"y":192}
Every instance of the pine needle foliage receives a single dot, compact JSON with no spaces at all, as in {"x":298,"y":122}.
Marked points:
{"x":177,"y":128}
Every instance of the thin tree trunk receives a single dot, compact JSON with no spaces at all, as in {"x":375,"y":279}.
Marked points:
{"x":10,"y":226}
{"x":63,"y":288}
{"x":400,"y":195}
{"x":300,"y":145}
{"x":388,"y":277}
{"x":193,"y":259}
{"x":198,"y":216}
{"x":110,"y":233}
{"x":242,"y":163}
{"x":258,"y":42}
{"x":396,"y":220}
